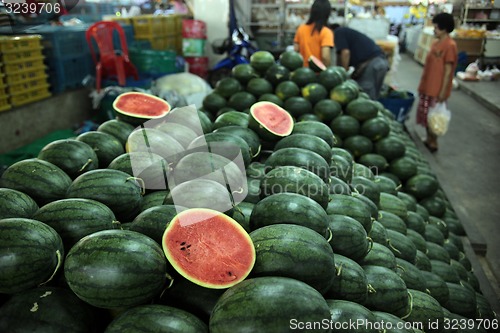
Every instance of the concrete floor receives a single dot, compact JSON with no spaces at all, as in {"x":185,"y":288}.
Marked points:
{"x":466,"y":166}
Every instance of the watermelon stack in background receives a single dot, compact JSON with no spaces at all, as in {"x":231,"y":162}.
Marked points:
{"x":343,"y":219}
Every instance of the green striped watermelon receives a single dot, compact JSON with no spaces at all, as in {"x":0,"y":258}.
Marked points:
{"x":386,"y":291}
{"x":186,"y":295}
{"x":151,"y":168}
{"x":379,"y":255}
{"x":268,"y":304}
{"x":116,"y":269}
{"x":294,"y":251}
{"x":119,"y":129}
{"x":156,"y":318}
{"x":49,"y":309}
{"x":424,"y":309}
{"x":153,"y":221}
{"x":16,"y":204}
{"x":76,"y":218}
{"x":116,"y":189}
{"x":352,"y":207}
{"x":343,"y":313}
{"x":293,"y":179}
{"x":349,"y":238}
{"x":72,"y":156}
{"x":289,"y":208}
{"x":41,"y":180}
{"x":31,"y":253}
{"x":106,"y":146}
{"x":153,"y":199}
{"x":350,"y":281}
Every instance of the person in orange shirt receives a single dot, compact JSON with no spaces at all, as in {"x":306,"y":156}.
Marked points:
{"x":437,"y":76}
{"x":314,"y":37}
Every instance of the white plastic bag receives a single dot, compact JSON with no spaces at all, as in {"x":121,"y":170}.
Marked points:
{"x":438,"y":119}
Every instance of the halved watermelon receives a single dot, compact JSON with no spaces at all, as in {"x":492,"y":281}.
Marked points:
{"x":270,"y":121}
{"x":136,"y":107}
{"x":208,"y":248}
{"x":315,"y":64}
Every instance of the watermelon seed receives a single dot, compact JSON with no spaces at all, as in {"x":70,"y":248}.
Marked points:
{"x":59,"y":262}
{"x":411,"y":307}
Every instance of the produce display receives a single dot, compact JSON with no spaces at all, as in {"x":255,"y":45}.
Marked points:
{"x":290,"y":202}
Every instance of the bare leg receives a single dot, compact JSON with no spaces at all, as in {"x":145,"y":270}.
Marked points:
{"x":431,"y":141}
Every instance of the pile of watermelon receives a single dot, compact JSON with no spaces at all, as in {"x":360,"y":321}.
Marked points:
{"x":333,"y":221}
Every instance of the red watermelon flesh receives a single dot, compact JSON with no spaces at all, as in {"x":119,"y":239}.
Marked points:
{"x":208,"y":248}
{"x":272,"y":117}
{"x":139,"y":104}
{"x":315,"y":64}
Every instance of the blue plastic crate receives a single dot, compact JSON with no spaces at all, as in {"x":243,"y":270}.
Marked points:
{"x":399,"y":107}
{"x":68,"y":73}
{"x":62,"y":42}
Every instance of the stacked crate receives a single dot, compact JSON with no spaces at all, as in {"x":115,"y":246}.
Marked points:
{"x":25,"y":79}
{"x":158,"y":30}
{"x":67,"y":56}
{"x":194,"y":34}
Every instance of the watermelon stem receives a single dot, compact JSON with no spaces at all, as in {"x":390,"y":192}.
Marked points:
{"x":370,"y":288}
{"x":142,"y":185}
{"x":330,"y":235}
{"x":370,"y":245}
{"x":85,"y":165}
{"x":392,"y":247}
{"x":59,"y":262}
{"x":399,"y":187}
{"x":411,"y":307}
{"x":401,"y":268}
{"x":170,"y":284}
{"x":115,"y":222}
{"x":258,"y":151}
{"x":428,"y":291}
{"x":339,"y":270}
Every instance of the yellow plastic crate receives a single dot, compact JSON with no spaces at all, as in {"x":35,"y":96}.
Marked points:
{"x":122,"y":20}
{"x":28,"y":85}
{"x":24,"y":55}
{"x":30,"y":96}
{"x":168,"y":25}
{"x":3,"y":92}
{"x":21,"y":76}
{"x":17,"y":66}
{"x":4,"y":103}
{"x":177,"y":23}
{"x":147,"y":26}
{"x":163,"y":43}
{"x":20,"y":43}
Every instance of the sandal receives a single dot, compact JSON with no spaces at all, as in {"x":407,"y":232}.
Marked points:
{"x":432,"y":149}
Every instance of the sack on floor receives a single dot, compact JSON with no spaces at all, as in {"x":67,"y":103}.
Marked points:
{"x":438,"y":119}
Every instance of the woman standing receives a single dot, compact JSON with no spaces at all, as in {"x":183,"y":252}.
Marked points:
{"x":439,"y":67}
{"x":314,"y":37}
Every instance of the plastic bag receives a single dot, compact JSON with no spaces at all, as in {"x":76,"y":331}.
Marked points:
{"x":438,"y":119}
{"x":190,"y":87}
